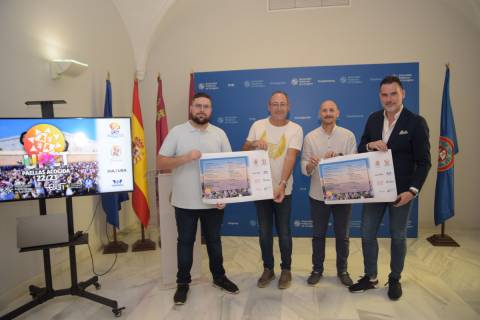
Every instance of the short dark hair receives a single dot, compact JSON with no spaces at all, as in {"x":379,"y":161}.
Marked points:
{"x":202,"y":95}
{"x":280,"y":92}
{"x":390,"y":80}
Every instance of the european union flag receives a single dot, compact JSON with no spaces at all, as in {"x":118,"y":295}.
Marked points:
{"x":447,"y":149}
{"x":112,"y":202}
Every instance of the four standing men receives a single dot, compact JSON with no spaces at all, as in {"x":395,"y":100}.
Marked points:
{"x":394,"y":127}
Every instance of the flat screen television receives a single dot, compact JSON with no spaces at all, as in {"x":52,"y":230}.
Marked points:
{"x":59,"y":157}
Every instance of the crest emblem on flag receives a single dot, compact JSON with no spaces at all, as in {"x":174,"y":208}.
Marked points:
{"x":445,"y":154}
{"x":138,"y":149}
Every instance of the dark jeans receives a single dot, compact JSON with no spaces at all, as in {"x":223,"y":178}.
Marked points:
{"x":372,"y":216}
{"x":320,"y":213}
{"x":211,"y":221}
{"x":267,"y":211}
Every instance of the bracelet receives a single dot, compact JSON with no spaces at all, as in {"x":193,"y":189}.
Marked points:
{"x":284,"y":182}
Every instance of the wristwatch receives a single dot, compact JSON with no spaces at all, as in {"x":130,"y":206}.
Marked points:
{"x":413,"y":191}
{"x":284,"y":182}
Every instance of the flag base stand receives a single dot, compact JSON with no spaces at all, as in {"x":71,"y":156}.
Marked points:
{"x":115,"y":246}
{"x":143,"y":244}
{"x":442,"y":239}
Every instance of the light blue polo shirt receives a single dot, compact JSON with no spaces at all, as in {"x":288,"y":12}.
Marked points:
{"x":186,"y":188}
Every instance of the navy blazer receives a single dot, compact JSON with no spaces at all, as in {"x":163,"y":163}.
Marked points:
{"x":410,"y":145}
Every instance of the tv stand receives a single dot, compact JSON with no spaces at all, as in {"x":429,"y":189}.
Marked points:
{"x":41,"y":295}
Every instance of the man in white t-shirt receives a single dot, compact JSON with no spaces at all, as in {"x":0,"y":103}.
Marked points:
{"x":327,"y":141}
{"x":283,"y":140}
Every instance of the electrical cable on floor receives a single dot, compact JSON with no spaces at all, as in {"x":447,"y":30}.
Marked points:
{"x":90,"y":250}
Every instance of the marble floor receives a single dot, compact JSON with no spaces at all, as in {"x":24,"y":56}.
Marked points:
{"x":439,"y":283}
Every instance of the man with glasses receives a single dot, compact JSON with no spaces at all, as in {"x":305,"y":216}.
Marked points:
{"x":180,"y":152}
{"x":283,"y":140}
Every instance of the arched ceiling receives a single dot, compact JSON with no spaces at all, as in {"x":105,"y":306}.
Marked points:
{"x":141,"y":19}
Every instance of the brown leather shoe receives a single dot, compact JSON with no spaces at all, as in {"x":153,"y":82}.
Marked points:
{"x":285,"y":279}
{"x":266,"y":277}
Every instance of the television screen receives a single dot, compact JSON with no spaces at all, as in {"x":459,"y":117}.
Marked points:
{"x":50,"y":158}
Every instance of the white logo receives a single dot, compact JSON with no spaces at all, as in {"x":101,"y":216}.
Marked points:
{"x":343,"y":79}
{"x":246,"y":83}
{"x":294,"y":81}
{"x":220,"y":120}
{"x":253,"y":223}
{"x":296,"y":223}
{"x":201,"y":86}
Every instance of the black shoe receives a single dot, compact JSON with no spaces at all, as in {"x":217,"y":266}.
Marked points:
{"x":314,"y":278}
{"x":227,"y":285}
{"x":363,"y":284}
{"x":181,"y":294}
{"x":345,"y":279}
{"x":394,"y":289}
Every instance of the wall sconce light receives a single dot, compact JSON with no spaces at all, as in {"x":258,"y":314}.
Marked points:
{"x":72,"y":68}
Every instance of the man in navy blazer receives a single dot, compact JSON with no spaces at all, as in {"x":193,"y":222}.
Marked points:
{"x":407,"y":135}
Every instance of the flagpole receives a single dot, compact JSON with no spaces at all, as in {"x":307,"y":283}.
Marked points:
{"x":140,"y":208}
{"x":448,"y":147}
{"x":157,"y":206}
{"x":114,"y":246}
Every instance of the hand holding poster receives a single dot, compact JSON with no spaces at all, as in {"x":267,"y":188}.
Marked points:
{"x":358,"y":178}
{"x":235,"y":177}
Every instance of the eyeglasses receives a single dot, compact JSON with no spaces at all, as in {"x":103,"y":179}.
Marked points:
{"x":202,"y":106}
{"x":279,"y":105}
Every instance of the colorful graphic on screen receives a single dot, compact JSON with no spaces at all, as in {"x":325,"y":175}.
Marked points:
{"x":48,"y":158}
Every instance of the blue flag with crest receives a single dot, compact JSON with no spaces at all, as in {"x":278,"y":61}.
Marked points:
{"x":447,"y":149}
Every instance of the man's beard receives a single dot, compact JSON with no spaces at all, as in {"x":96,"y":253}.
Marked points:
{"x":199,"y":120}
{"x":391,"y":108}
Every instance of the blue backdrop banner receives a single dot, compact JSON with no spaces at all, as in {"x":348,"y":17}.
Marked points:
{"x":240,"y":98}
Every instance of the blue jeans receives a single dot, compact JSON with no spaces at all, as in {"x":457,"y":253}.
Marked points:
{"x":372,"y":216}
{"x":211,"y":221}
{"x":320,"y":214}
{"x":267,"y":210}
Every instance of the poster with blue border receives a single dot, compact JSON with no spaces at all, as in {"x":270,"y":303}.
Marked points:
{"x":240,"y":98}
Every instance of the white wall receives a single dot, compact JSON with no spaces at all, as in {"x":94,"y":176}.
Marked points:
{"x":31,"y":33}
{"x":213,"y":35}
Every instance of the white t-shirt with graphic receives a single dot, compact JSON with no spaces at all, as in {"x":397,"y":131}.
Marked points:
{"x":279,"y":140}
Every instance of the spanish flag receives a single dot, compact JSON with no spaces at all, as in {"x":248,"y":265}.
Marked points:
{"x":140,"y":193}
